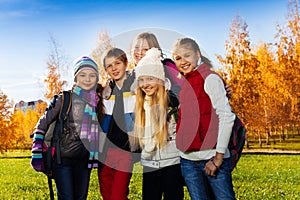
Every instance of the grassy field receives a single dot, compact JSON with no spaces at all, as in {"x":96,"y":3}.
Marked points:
{"x":261,"y":177}
{"x":290,"y":143}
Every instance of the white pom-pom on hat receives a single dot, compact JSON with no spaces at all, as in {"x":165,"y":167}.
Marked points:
{"x":151,"y":65}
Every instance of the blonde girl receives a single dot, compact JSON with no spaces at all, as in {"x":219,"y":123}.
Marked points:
{"x":155,"y":131}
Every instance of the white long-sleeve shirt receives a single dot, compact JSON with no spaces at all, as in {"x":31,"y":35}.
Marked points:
{"x":214,"y":88}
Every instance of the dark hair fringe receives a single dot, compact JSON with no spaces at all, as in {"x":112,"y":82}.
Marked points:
{"x":100,"y":106}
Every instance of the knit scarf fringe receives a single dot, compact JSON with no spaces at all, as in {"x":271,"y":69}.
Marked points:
{"x":90,"y":125}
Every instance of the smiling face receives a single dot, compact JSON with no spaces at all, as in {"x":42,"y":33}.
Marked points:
{"x":185,"y":58}
{"x":116,"y":68}
{"x":140,"y":47}
{"x":148,"y":84}
{"x":87,"y":79}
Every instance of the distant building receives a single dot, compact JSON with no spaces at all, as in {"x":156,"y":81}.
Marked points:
{"x":22,"y":105}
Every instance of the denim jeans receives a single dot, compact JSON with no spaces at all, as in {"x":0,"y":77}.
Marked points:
{"x":72,"y":178}
{"x":204,"y":187}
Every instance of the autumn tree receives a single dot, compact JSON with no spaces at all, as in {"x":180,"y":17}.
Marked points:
{"x":272,"y":90}
{"x":31,"y":118}
{"x":6,"y":135}
{"x":265,"y":78}
{"x":255,"y":80}
{"x":17,"y":124}
{"x":288,"y":57}
{"x":104,"y":43}
{"x":241,"y":71}
{"x":55,"y":65}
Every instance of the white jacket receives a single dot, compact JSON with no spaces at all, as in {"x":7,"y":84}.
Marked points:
{"x":168,"y":155}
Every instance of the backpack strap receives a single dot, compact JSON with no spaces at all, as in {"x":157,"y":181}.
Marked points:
{"x":50,"y":188}
{"x":63,"y":115}
{"x":66,"y":105}
{"x":173,"y":111}
{"x":173,"y":104}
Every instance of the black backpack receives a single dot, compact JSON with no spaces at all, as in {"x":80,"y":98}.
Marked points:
{"x":52,"y":154}
{"x":52,"y":135}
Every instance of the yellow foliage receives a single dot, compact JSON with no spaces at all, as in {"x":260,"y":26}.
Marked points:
{"x":104,"y":43}
{"x":265,"y":78}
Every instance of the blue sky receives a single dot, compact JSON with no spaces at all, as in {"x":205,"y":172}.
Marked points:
{"x":26,"y":26}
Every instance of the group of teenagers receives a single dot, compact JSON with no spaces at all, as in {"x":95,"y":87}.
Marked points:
{"x":171,"y":115}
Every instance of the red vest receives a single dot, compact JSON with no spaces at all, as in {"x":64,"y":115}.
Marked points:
{"x":197,"y":125}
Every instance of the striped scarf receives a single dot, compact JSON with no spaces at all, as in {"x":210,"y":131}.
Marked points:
{"x":90,"y":126}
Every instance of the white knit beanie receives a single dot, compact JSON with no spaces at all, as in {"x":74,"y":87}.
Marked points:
{"x":151,"y":65}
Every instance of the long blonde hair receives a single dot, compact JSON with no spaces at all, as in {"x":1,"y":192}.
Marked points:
{"x":159,"y":107}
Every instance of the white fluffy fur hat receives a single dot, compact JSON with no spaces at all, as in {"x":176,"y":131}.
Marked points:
{"x":151,"y":65}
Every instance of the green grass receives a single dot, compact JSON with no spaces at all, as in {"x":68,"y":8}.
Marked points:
{"x":16,"y":154}
{"x":290,"y":143}
{"x":257,"y":177}
{"x":267,"y":177}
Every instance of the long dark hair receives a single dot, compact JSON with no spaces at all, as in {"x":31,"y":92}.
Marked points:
{"x":100,"y":106}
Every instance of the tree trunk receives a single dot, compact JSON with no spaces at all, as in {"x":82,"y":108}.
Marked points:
{"x":246,"y":138}
{"x":293,"y":131}
{"x":267,"y":137}
{"x":259,"y":140}
{"x":274,"y":136}
{"x":282,"y":134}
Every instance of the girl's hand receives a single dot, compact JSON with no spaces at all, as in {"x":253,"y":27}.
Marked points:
{"x":211,"y":167}
{"x":213,"y":164}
